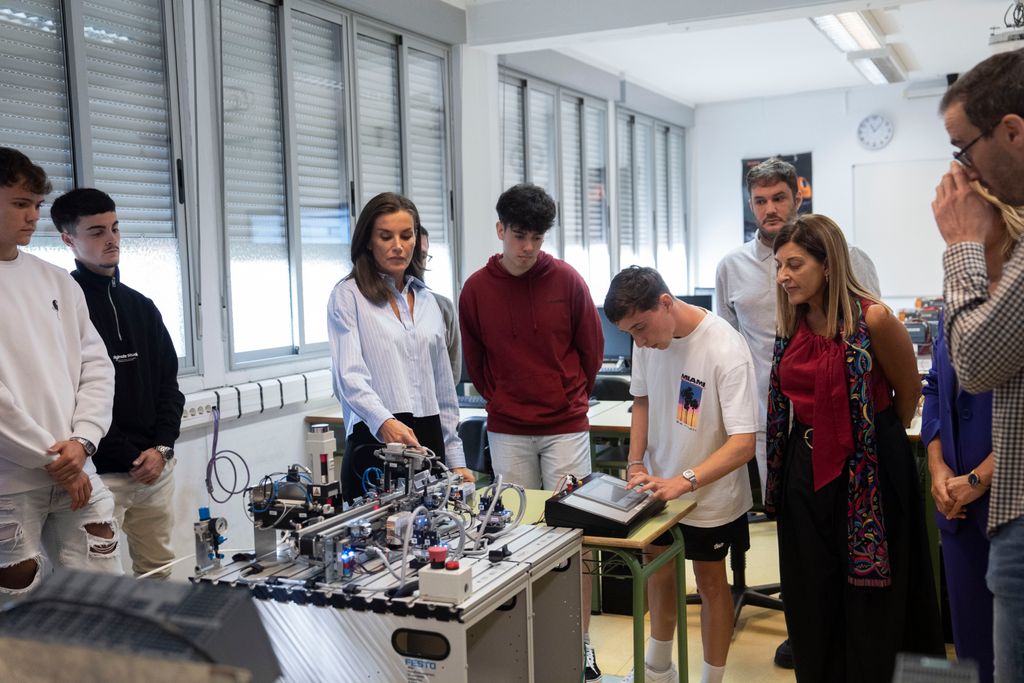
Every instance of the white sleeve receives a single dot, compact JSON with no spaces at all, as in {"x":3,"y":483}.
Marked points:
{"x":737,"y":392}
{"x":638,"y":373}
{"x":723,"y":304}
{"x":22,"y":440}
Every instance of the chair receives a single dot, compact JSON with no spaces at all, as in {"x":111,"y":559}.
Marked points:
{"x":608,"y":454}
{"x":612,"y":388}
{"x":473,"y":432}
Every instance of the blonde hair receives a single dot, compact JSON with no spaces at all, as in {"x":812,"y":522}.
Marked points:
{"x":822,"y":239}
{"x":1013,"y":217}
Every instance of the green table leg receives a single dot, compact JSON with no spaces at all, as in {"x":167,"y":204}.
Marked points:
{"x":640,"y":573}
{"x":677,"y":539}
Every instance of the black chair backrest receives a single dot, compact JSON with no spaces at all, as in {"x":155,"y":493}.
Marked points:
{"x":473,"y":432}
{"x":612,"y":388}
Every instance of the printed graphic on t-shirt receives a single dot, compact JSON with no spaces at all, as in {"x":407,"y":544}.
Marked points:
{"x":690,"y":391}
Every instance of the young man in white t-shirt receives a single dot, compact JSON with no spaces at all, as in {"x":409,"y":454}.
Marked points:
{"x":692,"y":433}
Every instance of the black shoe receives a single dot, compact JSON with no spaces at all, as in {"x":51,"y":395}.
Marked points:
{"x":784,"y":655}
{"x":591,"y":672}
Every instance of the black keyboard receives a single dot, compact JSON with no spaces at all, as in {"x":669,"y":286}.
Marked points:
{"x":472,"y":402}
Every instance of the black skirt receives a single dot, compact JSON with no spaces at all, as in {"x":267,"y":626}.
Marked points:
{"x":361,"y":444}
{"x":841,"y":632}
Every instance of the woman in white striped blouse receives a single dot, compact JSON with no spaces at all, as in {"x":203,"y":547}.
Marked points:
{"x":389,"y":356}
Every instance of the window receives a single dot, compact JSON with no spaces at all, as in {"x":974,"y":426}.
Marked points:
{"x":513,"y":147}
{"x":120,"y":138}
{"x":355,"y":110}
{"x":650,"y":197}
{"x":555,"y":138}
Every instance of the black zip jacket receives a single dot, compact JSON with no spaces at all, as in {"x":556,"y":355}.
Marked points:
{"x":147,"y":402}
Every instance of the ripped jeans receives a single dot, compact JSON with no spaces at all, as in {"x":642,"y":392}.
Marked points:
{"x":25,"y":515}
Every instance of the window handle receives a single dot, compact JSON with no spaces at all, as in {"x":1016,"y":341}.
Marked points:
{"x":181,"y":181}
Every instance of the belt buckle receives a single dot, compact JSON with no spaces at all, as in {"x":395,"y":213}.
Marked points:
{"x":809,"y":438}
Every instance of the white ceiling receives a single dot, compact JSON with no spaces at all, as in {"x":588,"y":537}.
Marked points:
{"x":777,"y":54}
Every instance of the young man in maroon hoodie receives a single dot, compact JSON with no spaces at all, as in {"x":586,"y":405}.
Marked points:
{"x":532,"y":342}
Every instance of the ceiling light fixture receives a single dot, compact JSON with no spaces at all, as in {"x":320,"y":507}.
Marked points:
{"x":857,"y":35}
{"x":849,"y":31}
{"x":878,"y":66}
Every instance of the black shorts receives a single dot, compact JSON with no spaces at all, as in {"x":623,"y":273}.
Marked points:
{"x":711,"y":544}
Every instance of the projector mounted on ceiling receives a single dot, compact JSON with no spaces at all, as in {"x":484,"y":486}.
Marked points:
{"x":1009,"y":36}
{"x":1006,"y":39}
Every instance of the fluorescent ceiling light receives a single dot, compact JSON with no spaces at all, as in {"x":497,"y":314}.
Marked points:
{"x":849,"y":31}
{"x":878,"y":66}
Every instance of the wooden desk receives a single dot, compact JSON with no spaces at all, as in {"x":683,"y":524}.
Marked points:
{"x":626,"y":549}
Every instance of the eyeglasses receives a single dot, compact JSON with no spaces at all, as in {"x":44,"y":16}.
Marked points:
{"x":428,"y":258}
{"x":961,"y":154}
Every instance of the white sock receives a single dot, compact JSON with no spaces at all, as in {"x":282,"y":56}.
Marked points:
{"x":712,"y":674}
{"x":659,"y":654}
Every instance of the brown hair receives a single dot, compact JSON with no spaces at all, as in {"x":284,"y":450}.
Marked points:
{"x":364,"y":268}
{"x":17,"y":168}
{"x":990,"y":91}
{"x":820,"y":237}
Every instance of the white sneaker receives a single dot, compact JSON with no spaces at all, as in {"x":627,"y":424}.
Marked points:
{"x":652,"y":676}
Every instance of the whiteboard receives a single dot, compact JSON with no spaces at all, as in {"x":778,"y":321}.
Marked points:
{"x":893,"y":223}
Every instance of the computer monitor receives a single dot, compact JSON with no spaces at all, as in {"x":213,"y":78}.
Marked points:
{"x":617,"y":344}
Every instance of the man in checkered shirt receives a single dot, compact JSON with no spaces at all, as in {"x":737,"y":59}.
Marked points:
{"x":984,"y":114}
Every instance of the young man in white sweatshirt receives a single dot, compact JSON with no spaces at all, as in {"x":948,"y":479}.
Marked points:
{"x":56,"y":394}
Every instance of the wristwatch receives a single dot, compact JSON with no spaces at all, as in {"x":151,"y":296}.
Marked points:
{"x":974,"y":480}
{"x":166,"y":451}
{"x":90,"y":449}
{"x":692,"y":478}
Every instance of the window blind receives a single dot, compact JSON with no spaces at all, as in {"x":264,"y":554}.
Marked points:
{"x":129,"y":112}
{"x":34,"y":113}
{"x":596,"y":175}
{"x":379,"y":122}
{"x":513,"y":151}
{"x":624,"y":146}
{"x":572,"y":173}
{"x":323,"y":186}
{"x":542,"y":141}
{"x":254,"y":177}
{"x":428,"y":143}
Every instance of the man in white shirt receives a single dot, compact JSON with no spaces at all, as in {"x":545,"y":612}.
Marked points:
{"x":56,"y":394}
{"x":692,"y":432}
{"x":745,"y":280}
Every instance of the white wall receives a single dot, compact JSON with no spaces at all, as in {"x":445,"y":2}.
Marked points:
{"x":823,"y":123}
{"x":481,"y":158}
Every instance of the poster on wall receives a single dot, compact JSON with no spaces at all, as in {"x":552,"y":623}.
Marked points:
{"x":802,"y":162}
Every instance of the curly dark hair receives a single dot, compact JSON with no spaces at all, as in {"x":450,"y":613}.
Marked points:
{"x":637,"y":288}
{"x":17,"y":168}
{"x":526,"y":207}
{"x":364,"y":269}
{"x":71,"y":206}
{"x":990,"y":91}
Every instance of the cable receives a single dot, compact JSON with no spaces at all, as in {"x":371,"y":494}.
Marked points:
{"x":405,"y":543}
{"x":213,"y":472}
{"x":459,"y":523}
{"x":387,"y":565}
{"x":162,"y":624}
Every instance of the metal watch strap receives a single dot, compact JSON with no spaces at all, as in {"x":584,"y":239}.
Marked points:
{"x":90,"y":448}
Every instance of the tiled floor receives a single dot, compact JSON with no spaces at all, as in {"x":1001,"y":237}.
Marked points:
{"x":757,"y":634}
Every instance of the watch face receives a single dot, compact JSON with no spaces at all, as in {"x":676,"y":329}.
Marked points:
{"x":973,"y":479}
{"x":875,"y":131}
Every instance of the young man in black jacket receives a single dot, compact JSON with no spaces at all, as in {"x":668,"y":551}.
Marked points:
{"x":136,"y":457}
